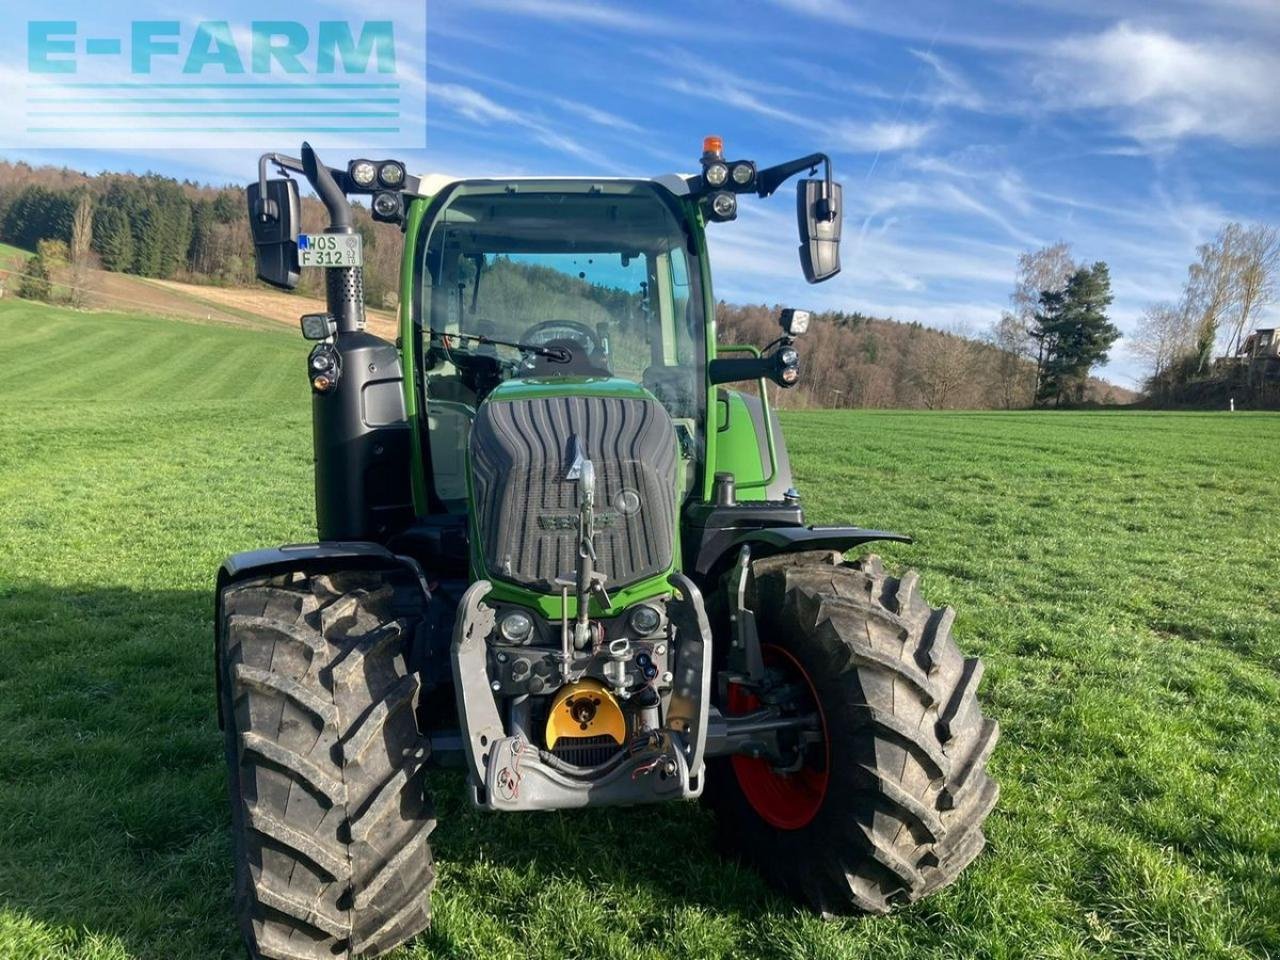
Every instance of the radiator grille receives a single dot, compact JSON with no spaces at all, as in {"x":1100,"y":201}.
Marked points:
{"x":526,"y":510}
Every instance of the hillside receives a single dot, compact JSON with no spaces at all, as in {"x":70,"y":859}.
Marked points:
{"x":251,"y":305}
{"x":853,"y":360}
{"x":182,"y":249}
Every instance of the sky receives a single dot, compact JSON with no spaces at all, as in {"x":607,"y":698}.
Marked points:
{"x":964,"y":134}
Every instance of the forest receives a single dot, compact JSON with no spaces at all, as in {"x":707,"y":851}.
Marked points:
{"x":154,"y":226}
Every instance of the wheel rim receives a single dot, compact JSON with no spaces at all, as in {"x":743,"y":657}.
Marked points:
{"x":787,"y":801}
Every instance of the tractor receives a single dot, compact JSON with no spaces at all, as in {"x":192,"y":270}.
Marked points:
{"x":554,"y":549}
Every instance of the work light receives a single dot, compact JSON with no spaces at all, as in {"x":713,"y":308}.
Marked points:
{"x":387,"y":206}
{"x":363,"y":173}
{"x":716,"y":174}
{"x":391,"y":174}
{"x":744,"y":171}
{"x":724,"y":205}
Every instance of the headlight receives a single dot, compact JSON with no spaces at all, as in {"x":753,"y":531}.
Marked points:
{"x":716,"y":174}
{"x":364,"y":173}
{"x":645,"y":619}
{"x":743,"y":173}
{"x":724,"y":205}
{"x":516,"y":627}
{"x":391,"y":174}
{"x":386,"y":205}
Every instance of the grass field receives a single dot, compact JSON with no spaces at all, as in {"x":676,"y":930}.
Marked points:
{"x":1117,"y":571}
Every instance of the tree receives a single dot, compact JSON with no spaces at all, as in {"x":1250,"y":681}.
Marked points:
{"x":35,"y":283}
{"x":36,"y":214}
{"x":113,"y":237}
{"x":1256,"y":269}
{"x":1211,"y":288}
{"x":1074,"y":332}
{"x":1163,"y":337}
{"x":81,"y":227}
{"x":1013,"y":379}
{"x":54,"y":253}
{"x":79,"y":248}
{"x":942,"y":367}
{"x":1048,"y":268}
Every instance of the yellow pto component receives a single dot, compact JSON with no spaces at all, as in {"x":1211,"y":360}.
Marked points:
{"x":585,"y":709}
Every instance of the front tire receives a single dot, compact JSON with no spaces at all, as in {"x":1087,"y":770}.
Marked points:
{"x":330,"y":817}
{"x":891,"y":798}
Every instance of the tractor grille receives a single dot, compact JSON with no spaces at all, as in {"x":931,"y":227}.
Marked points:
{"x":527,"y":512}
{"x":585,"y":751}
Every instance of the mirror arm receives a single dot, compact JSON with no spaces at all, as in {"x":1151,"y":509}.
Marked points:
{"x":770,"y":179}
{"x":736,"y":369}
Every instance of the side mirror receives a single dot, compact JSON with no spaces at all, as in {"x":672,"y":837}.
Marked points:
{"x":818,"y":216}
{"x":274,"y":215}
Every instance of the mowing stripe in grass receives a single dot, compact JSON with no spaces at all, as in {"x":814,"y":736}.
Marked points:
{"x":1116,"y":571}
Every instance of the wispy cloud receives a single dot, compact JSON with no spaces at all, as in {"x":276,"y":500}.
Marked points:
{"x":880,"y":136}
{"x":790,"y":106}
{"x":1160,"y":87}
{"x":630,"y":17}
{"x":601,"y":118}
{"x":480,"y":109}
{"x":950,"y":88}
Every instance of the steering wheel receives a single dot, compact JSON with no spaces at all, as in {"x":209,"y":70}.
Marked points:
{"x":549,"y":330}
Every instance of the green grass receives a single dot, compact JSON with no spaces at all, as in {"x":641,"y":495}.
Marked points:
{"x":1118,"y":572}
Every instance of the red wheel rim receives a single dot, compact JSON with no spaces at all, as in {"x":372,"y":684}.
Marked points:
{"x":787,"y":801}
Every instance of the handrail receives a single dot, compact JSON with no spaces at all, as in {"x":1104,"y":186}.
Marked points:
{"x":768,"y":420}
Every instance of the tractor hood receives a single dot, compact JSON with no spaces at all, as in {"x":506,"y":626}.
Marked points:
{"x":528,"y":447}
{"x":536,"y":388}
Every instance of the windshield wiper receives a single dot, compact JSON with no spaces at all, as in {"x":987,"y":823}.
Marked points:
{"x":554,"y":354}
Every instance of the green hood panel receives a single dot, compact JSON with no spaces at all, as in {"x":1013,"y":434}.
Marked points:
{"x":539,"y":388}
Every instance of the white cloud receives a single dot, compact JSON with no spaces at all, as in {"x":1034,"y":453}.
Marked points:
{"x":1164,"y":88}
{"x":879,"y":136}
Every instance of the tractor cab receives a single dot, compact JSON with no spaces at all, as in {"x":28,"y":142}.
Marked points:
{"x":583,"y":286}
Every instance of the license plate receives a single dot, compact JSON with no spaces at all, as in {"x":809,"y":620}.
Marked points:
{"x":330,"y":250}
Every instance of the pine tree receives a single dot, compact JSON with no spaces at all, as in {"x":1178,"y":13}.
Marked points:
{"x":113,"y":238}
{"x":1074,"y":333}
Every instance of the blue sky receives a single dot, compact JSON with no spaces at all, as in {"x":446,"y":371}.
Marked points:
{"x":963,"y":133}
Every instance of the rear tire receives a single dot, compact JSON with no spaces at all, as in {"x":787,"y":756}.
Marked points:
{"x":897,"y":793}
{"x":330,"y":816}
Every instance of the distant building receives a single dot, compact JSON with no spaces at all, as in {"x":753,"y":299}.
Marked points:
{"x":1261,"y":353}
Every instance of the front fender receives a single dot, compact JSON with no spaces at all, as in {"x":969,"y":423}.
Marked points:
{"x":321,"y":557}
{"x":718,"y":553}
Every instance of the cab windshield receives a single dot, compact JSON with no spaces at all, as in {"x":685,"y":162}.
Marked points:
{"x":554,"y":281}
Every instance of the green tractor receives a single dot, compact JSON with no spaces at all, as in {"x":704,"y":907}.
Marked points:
{"x":553,"y":550}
